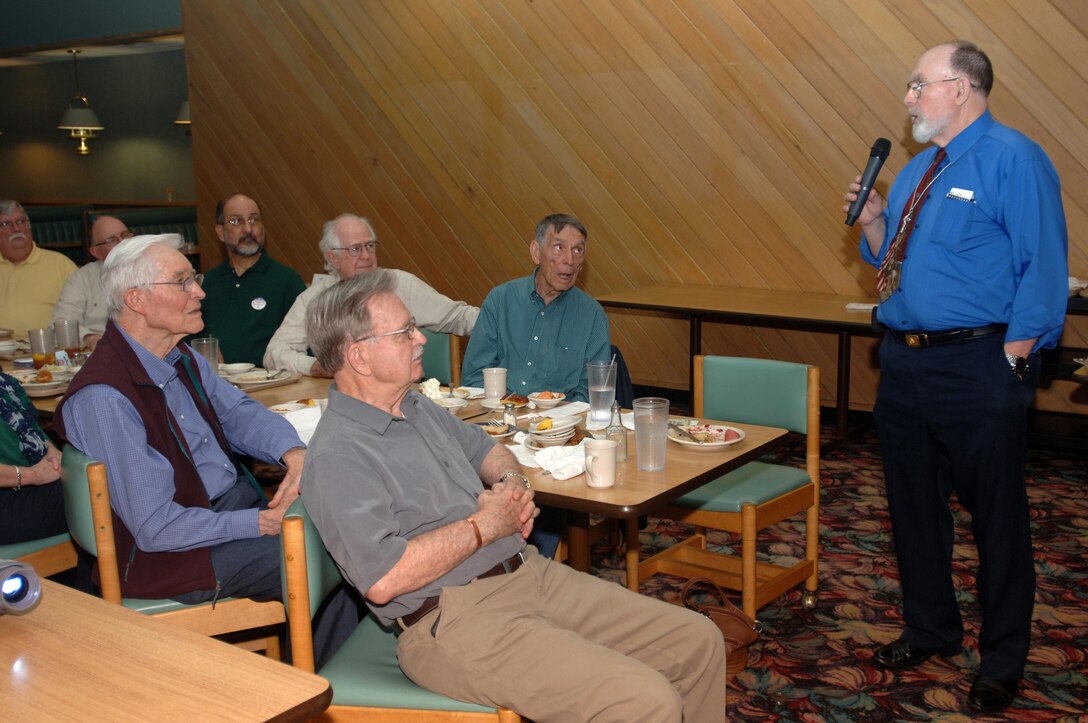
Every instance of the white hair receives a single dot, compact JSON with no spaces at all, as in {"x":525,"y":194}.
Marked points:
{"x":330,"y":235}
{"x":129,"y":265}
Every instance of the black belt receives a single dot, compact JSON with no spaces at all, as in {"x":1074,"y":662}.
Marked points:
{"x":920,"y":339}
{"x":505,"y":567}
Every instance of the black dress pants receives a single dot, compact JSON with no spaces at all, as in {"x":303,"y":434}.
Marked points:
{"x":953,"y":418}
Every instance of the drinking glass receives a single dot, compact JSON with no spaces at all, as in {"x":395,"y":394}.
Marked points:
{"x":43,"y":346}
{"x":601,"y":377}
{"x":651,"y":432}
{"x":207,"y":347}
{"x":68,"y":338}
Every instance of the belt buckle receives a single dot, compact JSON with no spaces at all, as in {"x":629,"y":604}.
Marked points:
{"x":506,"y":562}
{"x":915,"y":341}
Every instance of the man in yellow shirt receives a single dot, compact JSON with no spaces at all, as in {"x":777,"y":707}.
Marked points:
{"x":30,"y":278}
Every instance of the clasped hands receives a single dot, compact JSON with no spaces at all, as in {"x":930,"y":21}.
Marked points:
{"x":504,"y":509}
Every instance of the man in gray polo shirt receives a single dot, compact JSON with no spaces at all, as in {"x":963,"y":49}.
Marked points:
{"x":427,"y":517}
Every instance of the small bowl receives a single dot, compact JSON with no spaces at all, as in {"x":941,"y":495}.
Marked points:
{"x":287,"y":407}
{"x":237,"y":368}
{"x":450,"y":403}
{"x":546,"y":403}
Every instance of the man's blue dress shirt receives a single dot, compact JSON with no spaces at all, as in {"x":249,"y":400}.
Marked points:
{"x":105,"y":425}
{"x":990,"y":242}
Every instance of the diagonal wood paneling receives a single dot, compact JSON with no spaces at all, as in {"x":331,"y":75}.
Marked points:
{"x":701,"y":142}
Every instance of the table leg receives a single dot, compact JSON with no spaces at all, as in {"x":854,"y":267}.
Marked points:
{"x":578,"y":540}
{"x":842,"y":391}
{"x":631,"y":535}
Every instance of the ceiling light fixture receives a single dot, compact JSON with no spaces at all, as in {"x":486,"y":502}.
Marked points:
{"x":79,"y":120}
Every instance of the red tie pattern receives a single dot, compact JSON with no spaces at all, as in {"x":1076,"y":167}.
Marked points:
{"x":887,"y":277}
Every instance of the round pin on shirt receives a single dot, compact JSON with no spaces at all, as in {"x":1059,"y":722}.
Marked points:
{"x":258,"y":303}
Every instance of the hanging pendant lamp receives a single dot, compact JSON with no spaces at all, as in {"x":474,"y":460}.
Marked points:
{"x":79,"y":119}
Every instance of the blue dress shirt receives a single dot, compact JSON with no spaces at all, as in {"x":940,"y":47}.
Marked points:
{"x":990,"y":242}
{"x":544,"y":347}
{"x":105,"y":425}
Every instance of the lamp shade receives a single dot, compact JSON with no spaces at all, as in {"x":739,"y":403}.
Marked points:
{"x":183,"y":115}
{"x":79,"y":116}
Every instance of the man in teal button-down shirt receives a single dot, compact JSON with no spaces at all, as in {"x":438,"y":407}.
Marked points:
{"x":541,"y":328}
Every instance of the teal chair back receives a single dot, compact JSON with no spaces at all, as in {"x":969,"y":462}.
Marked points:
{"x":77,"y":498}
{"x":437,"y":360}
{"x":756,"y":391}
{"x":322,"y":574}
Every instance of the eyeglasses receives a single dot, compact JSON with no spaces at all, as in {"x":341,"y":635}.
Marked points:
{"x":239,"y":221}
{"x":22,"y":222}
{"x":916,"y":86}
{"x":186,"y":284}
{"x":113,"y":240}
{"x":356,"y":249}
{"x":405,"y":333}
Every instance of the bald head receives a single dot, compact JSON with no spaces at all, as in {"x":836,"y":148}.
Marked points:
{"x":106,"y":233}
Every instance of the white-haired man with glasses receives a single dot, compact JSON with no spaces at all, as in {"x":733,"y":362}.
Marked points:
{"x":191,"y":523}
{"x":349,"y":247}
{"x":31,"y":278}
{"x":427,"y":517}
{"x":82,"y":298}
{"x":971,"y":258}
{"x":249,"y":293}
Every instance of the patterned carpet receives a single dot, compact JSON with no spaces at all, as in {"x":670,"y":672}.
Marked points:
{"x":814,"y":666}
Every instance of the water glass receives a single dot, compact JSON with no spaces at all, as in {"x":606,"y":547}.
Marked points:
{"x":68,"y":338}
{"x":43,"y":346}
{"x":207,"y":347}
{"x":601,"y":378}
{"x":494,"y":383}
{"x":651,"y":432}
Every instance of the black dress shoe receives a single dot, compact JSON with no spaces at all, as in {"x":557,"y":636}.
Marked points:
{"x":989,"y":695}
{"x":902,"y":654}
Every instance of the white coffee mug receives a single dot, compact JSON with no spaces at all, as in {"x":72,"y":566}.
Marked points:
{"x":600,"y":462}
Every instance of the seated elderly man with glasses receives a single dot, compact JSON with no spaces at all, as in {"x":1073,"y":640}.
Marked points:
{"x":350,"y":247}
{"x":30,"y":277}
{"x":427,"y":516}
{"x":82,"y":298}
{"x":191,"y":523}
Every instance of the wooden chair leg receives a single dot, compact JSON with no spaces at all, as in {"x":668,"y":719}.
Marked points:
{"x":748,"y":560}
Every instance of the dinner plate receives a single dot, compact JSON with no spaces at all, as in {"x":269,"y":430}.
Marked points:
{"x":534,"y":443}
{"x":507,"y":433}
{"x":718,"y":428}
{"x":450,"y":403}
{"x":37,"y":389}
{"x":6,"y":332}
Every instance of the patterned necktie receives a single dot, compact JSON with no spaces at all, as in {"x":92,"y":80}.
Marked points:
{"x":887,"y":277}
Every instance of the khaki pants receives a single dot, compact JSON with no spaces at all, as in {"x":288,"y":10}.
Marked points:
{"x":553,"y":644}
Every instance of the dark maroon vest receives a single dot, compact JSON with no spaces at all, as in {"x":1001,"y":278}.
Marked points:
{"x":152,"y":574}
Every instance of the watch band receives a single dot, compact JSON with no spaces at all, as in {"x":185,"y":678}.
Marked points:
{"x":512,"y":473}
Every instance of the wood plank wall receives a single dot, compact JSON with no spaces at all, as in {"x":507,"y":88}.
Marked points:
{"x":701,"y":141}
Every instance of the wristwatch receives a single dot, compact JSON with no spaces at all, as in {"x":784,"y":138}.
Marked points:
{"x":512,"y":473}
{"x":1019,"y":365}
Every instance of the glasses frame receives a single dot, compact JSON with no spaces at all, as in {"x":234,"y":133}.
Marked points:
{"x":406,"y":331}
{"x":355,"y":250}
{"x":917,"y":86}
{"x":186,"y":285}
{"x":237,"y":221}
{"x":114,"y":240}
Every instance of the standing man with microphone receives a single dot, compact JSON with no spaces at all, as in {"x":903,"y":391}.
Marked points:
{"x":972,"y":276}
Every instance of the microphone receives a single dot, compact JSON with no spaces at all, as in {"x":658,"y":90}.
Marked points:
{"x":877,"y":155}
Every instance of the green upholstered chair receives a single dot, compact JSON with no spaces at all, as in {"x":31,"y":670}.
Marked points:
{"x":367,"y":683}
{"x":48,"y":556}
{"x":442,"y":357}
{"x":87,"y":507}
{"x":757,"y":495}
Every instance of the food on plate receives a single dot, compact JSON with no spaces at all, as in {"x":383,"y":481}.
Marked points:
{"x":43,"y":377}
{"x":495,"y":429}
{"x":545,"y":424}
{"x":518,"y":399}
{"x":431,"y":389}
{"x":546,"y":395}
{"x":708,"y":433}
{"x":308,"y":402}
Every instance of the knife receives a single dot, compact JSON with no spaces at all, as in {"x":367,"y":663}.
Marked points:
{"x":685,"y":433}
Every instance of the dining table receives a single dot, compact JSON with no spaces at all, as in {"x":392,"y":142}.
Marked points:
{"x":78,"y":657}
{"x":639,"y":492}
